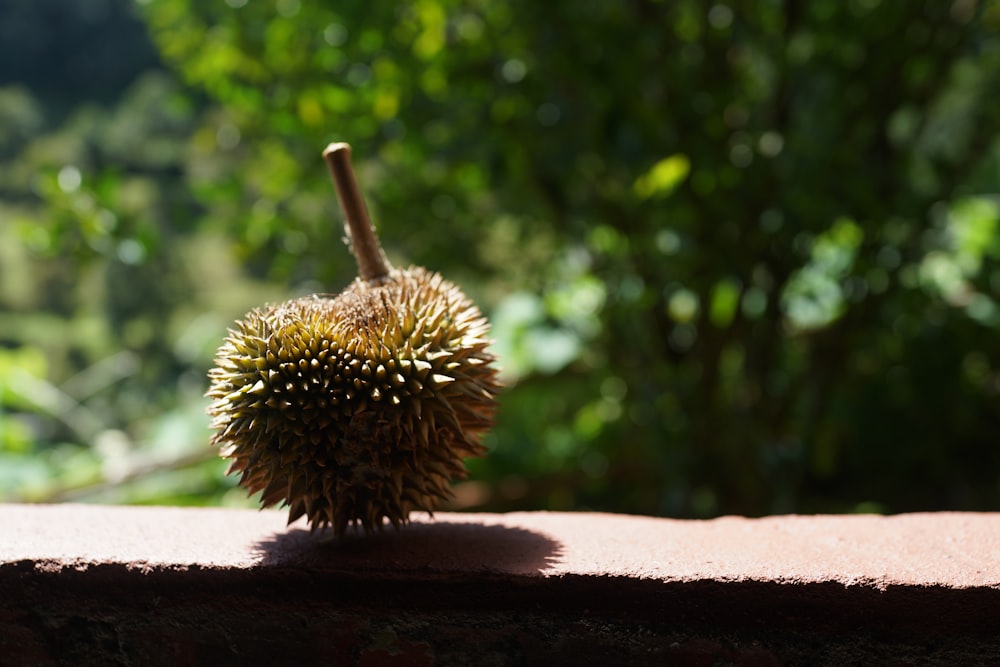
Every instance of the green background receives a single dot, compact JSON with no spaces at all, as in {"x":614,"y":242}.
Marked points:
{"x":740,"y":257}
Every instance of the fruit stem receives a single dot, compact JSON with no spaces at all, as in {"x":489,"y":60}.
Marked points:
{"x":372,"y":262}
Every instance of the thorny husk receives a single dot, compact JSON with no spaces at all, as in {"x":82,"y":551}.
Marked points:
{"x":359,"y":408}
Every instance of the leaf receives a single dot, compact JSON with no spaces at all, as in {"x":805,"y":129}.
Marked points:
{"x":663,"y":177}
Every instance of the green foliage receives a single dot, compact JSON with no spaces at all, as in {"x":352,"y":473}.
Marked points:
{"x":739,"y":258}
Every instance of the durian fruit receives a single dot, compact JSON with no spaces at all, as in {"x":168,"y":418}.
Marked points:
{"x":359,"y":408}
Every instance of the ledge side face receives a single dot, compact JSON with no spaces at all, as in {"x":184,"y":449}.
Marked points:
{"x":105,"y":585}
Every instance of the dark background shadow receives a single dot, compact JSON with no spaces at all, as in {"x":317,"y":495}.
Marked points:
{"x":431,"y":546}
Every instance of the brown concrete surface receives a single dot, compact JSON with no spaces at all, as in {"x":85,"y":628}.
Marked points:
{"x":140,"y":585}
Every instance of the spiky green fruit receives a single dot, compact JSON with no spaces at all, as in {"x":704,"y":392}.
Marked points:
{"x":359,"y":407}
{"x":356,"y":409}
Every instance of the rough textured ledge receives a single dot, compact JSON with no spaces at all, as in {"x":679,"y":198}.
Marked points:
{"x":128,"y":585}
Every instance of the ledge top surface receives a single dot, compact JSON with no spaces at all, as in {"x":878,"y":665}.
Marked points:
{"x":954,"y":550}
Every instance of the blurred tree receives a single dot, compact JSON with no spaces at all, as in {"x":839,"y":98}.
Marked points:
{"x":72,"y":51}
{"x":740,"y":256}
{"x":103,"y":338}
{"x":93,"y":295}
{"x":741,"y":253}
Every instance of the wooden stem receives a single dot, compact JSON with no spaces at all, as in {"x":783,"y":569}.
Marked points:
{"x":372,"y":262}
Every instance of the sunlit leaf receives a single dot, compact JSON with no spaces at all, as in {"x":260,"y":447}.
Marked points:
{"x":663,"y":177}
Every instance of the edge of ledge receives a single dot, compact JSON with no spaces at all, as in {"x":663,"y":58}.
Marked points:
{"x":950,"y":550}
{"x":83,"y":584}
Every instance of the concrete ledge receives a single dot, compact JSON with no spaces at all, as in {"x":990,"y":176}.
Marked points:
{"x":147,"y":586}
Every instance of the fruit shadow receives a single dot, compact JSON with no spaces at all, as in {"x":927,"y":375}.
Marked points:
{"x":427,"y":545}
